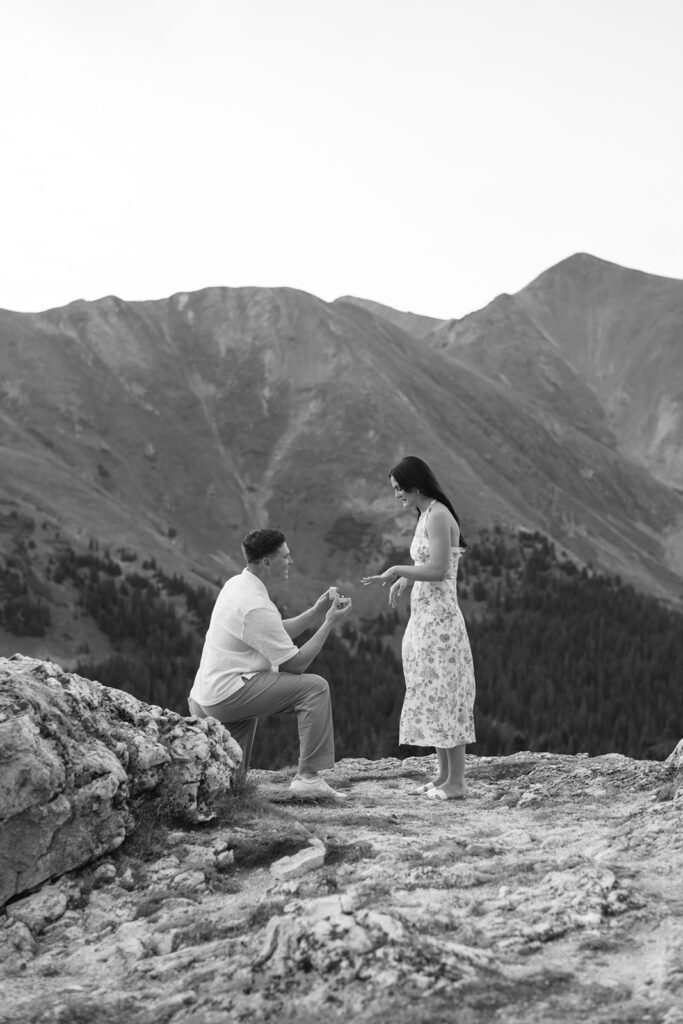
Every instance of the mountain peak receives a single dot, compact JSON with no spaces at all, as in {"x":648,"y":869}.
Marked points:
{"x":583,"y":266}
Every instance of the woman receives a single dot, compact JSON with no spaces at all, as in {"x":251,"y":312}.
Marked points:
{"x":437,"y":661}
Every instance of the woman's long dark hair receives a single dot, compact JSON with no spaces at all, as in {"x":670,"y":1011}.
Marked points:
{"x":413,"y":474}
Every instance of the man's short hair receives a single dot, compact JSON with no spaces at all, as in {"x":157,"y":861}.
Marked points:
{"x":260,"y":543}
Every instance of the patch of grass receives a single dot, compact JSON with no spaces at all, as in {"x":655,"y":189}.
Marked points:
{"x":149,"y":840}
{"x":166,"y":808}
{"x":170,"y":799}
{"x":86,"y":884}
{"x":226,"y":884}
{"x":376,"y":776}
{"x":665,"y":792}
{"x":378,"y":890}
{"x":262,"y":848}
{"x":376,"y":822}
{"x":496,"y":771}
{"x":427,"y":1009}
{"x":262,"y":913}
{"x":599,"y":944}
{"x":150,"y":904}
{"x":348,"y":853}
{"x":49,"y":971}
{"x":75,"y":1009}
{"x":243,"y":803}
{"x":561,"y":997}
{"x":200,"y":932}
{"x":326,"y":879}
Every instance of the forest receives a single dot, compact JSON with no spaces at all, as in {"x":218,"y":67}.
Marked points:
{"x":566,"y":659}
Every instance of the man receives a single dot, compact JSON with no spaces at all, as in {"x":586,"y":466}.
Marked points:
{"x":250,"y":665}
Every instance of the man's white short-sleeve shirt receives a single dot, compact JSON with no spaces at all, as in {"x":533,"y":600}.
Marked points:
{"x":245,"y":636}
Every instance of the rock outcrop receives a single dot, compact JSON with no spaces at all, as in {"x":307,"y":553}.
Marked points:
{"x":75,"y":759}
{"x":552,"y":893}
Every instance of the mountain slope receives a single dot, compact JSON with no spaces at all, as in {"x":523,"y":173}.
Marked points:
{"x":171,"y":427}
{"x":618,"y":331}
{"x":413,"y":323}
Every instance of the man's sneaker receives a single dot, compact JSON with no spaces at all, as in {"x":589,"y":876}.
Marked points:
{"x":313,"y":789}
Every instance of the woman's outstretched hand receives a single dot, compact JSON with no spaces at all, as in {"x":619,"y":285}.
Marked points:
{"x":396,"y":590}
{"x":388,"y":576}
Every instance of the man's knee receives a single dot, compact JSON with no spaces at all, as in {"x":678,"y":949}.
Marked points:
{"x":316,"y":684}
{"x":195,"y":710}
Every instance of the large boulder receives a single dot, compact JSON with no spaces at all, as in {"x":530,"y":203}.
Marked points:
{"x":77,"y":758}
{"x":675,"y":763}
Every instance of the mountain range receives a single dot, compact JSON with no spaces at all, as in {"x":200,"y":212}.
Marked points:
{"x":168,"y":428}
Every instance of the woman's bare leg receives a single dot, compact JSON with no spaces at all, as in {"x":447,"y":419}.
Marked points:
{"x":441,"y":772}
{"x":442,"y":761}
{"x":454,"y":784}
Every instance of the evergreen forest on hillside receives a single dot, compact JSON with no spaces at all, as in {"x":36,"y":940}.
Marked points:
{"x":566,"y":660}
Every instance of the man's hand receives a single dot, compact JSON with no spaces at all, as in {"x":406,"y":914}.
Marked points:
{"x":396,"y":590}
{"x":341,"y":607}
{"x":338,"y":610}
{"x":325,"y":600}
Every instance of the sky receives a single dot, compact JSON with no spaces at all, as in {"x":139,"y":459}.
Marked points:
{"x":425,"y":154}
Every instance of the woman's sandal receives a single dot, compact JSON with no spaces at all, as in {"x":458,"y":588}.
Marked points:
{"x":426,"y":788}
{"x":438,"y":794}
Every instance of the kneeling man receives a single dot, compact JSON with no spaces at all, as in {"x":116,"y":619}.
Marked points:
{"x":251,"y":667}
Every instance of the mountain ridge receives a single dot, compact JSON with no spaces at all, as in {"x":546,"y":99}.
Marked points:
{"x":172,"y":426}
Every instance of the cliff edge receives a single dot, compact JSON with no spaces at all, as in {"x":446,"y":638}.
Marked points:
{"x":553,"y":893}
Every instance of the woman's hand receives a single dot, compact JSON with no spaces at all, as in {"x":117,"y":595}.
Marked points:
{"x":396,"y":590}
{"x":388,"y":576}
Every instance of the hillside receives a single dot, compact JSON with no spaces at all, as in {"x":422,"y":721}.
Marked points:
{"x":566,"y":660}
{"x":168,"y":428}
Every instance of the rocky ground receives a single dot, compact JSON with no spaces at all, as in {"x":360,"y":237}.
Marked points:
{"x":553,"y":893}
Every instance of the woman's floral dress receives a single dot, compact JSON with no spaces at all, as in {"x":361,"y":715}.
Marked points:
{"x":438,"y":710}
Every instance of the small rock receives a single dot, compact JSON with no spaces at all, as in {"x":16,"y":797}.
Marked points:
{"x":389,"y":926}
{"x":219,"y":845}
{"x":225,"y":861}
{"x":388,"y":978}
{"x":481,"y":849}
{"x":126,"y":880}
{"x":38,"y":910}
{"x":176,"y":838}
{"x":17,"y":938}
{"x":190,"y":880}
{"x":329,"y":906}
{"x":200,"y":859}
{"x":165,"y":868}
{"x":104,"y":874}
{"x":130,"y":940}
{"x":161,"y":943}
{"x":308,"y":859}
